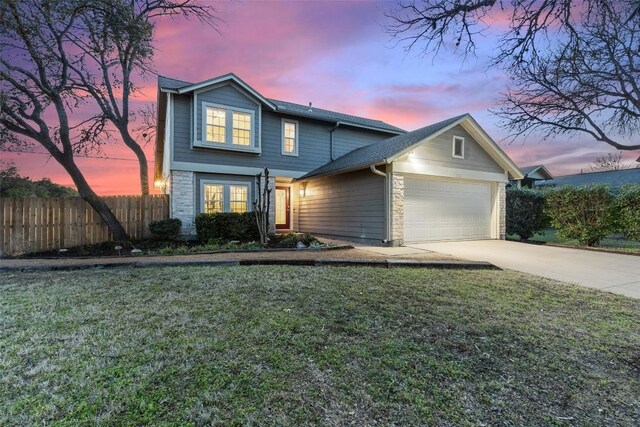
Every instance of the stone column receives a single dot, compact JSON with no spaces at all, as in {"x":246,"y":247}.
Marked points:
{"x":397,"y":209}
{"x":502,"y":210}
{"x":182,"y":200}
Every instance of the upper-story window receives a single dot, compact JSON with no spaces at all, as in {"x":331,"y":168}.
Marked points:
{"x":227,"y":127}
{"x":216,"y":124}
{"x":458,"y":147}
{"x":241,"y":128}
{"x":289,"y":137}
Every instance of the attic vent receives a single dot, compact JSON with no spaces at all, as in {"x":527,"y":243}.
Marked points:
{"x":310,"y":105}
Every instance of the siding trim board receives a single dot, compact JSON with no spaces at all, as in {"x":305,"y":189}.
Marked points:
{"x":232,"y":170}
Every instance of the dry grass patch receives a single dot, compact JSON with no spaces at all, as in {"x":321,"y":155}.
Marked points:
{"x":307,"y":345}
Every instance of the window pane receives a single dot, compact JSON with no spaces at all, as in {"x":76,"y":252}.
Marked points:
{"x":216,"y":123}
{"x":238,"y":197}
{"x":458,"y":146}
{"x":213,"y":198}
{"x":241,"y":128}
{"x":289,"y":137}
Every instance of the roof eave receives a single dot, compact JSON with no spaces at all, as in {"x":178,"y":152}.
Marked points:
{"x":340,"y":171}
{"x":222,"y":79}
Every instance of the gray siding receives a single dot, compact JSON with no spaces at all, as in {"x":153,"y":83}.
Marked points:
{"x":313,"y":144}
{"x":438,"y":152}
{"x":240,"y":179}
{"x":349,"y":205}
{"x":228,"y":95}
{"x":347,"y":139}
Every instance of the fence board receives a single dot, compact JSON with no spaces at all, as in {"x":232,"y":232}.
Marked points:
{"x":42,"y":224}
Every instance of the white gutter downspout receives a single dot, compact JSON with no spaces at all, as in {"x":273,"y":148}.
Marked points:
{"x":387,"y":201}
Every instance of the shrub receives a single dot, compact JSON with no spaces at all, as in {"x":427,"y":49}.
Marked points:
{"x":582,"y":213}
{"x":166,"y":228}
{"x":227,"y":226}
{"x":291,"y":240}
{"x":525,"y":213}
{"x":627,"y":211}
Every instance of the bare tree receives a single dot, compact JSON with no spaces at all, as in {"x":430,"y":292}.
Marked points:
{"x":58,"y":57}
{"x":113,"y":45}
{"x":574,"y":64}
{"x":609,"y":162}
{"x":36,"y":99}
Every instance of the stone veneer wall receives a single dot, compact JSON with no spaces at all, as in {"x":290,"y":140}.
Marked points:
{"x":502,"y":210}
{"x":397,"y":209}
{"x":182,"y":200}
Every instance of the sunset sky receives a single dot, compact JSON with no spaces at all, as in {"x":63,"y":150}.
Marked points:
{"x":336,"y":55}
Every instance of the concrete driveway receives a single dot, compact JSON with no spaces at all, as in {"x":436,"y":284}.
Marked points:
{"x":615,"y":273}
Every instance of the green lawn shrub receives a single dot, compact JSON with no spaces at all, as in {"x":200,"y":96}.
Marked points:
{"x":166,"y":229}
{"x":526,"y":216}
{"x":627,"y":211}
{"x":227,"y":226}
{"x":586,"y":214}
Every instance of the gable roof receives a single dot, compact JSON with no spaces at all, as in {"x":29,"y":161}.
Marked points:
{"x":167,"y":84}
{"x":613,"y":178}
{"x":530,"y":170}
{"x":388,"y":150}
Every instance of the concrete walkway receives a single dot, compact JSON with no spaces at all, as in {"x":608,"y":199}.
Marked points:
{"x":336,"y":256}
{"x":615,"y":273}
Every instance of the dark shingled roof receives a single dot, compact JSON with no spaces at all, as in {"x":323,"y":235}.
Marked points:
{"x":302,"y":110}
{"x":380,"y":151}
{"x":612,"y":178}
{"x":526,"y":170}
{"x":168,"y":83}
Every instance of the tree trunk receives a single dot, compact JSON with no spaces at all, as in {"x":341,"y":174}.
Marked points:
{"x":93,"y":199}
{"x":142,"y":160}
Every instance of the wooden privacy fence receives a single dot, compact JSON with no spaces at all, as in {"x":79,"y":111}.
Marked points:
{"x":38,"y":224}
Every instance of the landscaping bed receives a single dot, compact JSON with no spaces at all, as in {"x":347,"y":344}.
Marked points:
{"x":274,"y":345}
{"x":153,"y":247}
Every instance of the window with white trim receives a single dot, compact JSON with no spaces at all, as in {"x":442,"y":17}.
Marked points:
{"x":213,"y":198}
{"x":458,"y":147}
{"x":241,"y":128}
{"x":226,"y":127}
{"x":289,"y":138}
{"x":224,"y":197}
{"x":238,"y":198}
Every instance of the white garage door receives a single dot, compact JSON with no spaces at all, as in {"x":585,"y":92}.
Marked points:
{"x":446,"y":210}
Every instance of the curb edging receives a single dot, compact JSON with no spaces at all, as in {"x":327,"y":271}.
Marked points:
{"x":383,"y":263}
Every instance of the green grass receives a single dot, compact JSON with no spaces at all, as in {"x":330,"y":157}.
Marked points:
{"x":614,"y":242}
{"x":315,"y":345}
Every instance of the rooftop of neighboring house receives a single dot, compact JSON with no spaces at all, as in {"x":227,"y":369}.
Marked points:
{"x":615,"y":178}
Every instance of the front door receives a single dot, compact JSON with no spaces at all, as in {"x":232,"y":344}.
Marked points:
{"x":282,"y":208}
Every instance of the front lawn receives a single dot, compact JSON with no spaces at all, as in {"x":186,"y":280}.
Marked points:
{"x":314,"y":345}
{"x":612,"y":243}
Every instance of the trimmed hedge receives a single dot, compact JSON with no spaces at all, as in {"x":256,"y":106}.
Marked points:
{"x":627,"y":211}
{"x":166,"y":228}
{"x":582,"y":213}
{"x":227,"y":226}
{"x":525,"y":213}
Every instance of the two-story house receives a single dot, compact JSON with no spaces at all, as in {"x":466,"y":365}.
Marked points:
{"x":333,"y":174}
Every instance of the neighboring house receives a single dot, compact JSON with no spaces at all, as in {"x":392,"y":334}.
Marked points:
{"x":333,"y":174}
{"x":612,"y":178}
{"x":532,"y":174}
